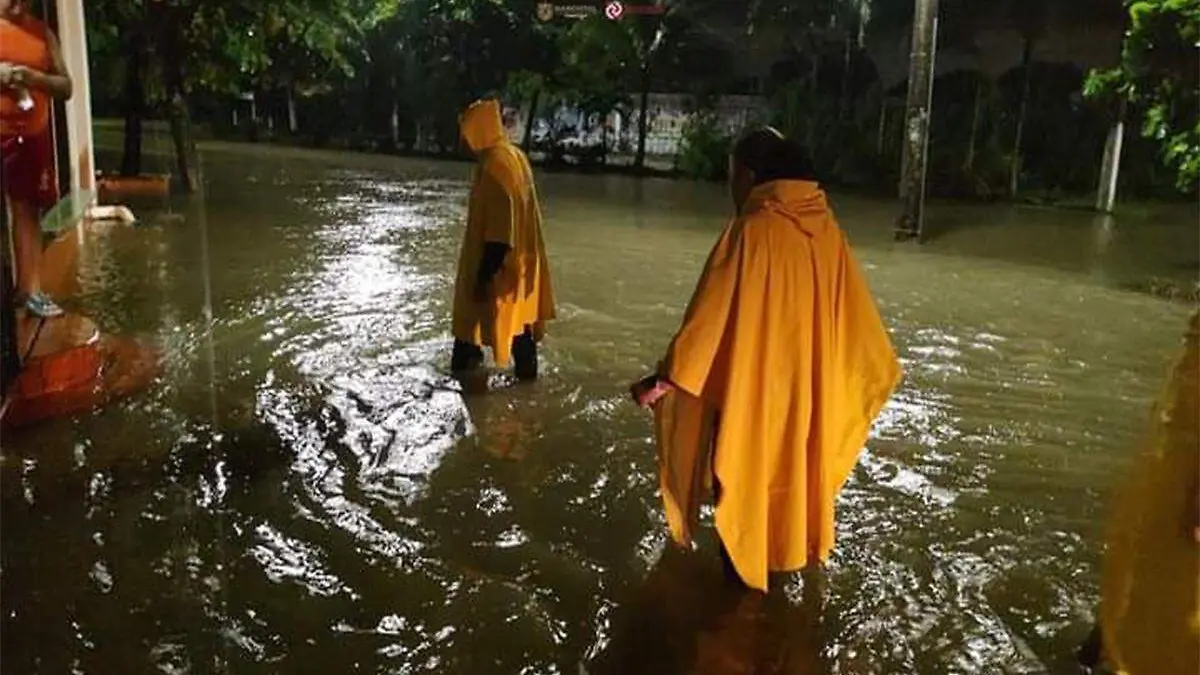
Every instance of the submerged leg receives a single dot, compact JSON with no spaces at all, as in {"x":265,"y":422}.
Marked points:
{"x":731,"y":575}
{"x":1092,"y":649}
{"x":730,"y":572}
{"x":465,"y":357}
{"x":525,"y":355}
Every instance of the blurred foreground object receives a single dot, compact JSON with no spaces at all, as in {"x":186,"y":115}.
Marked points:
{"x":1150,"y":610}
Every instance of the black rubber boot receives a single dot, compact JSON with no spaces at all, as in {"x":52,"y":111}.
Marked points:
{"x":731,"y":574}
{"x":525,"y":356}
{"x":1091,"y":652}
{"x":465,"y":357}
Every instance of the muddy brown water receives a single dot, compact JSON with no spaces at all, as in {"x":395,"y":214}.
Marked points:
{"x":306,"y":490}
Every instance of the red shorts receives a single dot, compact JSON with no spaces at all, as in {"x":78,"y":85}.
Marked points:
{"x":28,"y":173}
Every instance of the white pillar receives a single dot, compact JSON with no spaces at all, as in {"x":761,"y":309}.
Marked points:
{"x":1106,"y":196}
{"x":72,"y":36}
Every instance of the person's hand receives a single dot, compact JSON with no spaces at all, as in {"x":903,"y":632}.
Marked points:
{"x":12,"y":75}
{"x":649,"y":390}
{"x":22,"y":76}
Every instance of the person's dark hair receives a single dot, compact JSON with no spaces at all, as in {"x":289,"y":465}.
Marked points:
{"x":770,"y":156}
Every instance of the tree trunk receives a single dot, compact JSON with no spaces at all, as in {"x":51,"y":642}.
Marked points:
{"x":395,"y":117}
{"x":171,"y":52}
{"x":639,"y":159}
{"x":395,"y":123}
{"x":814,"y":73}
{"x":530,"y":119}
{"x":135,"y":105}
{"x":976,"y":114}
{"x":604,"y":137}
{"x":180,"y":121}
{"x":293,"y":122}
{"x":883,"y":119}
{"x":1014,"y":167}
{"x":181,"y":132}
{"x":916,"y":122}
{"x":847,"y":75}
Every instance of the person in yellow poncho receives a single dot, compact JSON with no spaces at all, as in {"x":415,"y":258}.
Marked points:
{"x":1150,"y":590}
{"x":782,"y":363}
{"x":502,"y":296}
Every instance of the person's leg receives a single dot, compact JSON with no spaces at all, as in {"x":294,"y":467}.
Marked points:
{"x":1091,"y":652}
{"x":525,"y":356}
{"x":30,"y":186}
{"x":727,"y":567}
{"x":27,"y":242}
{"x":465,"y":357}
{"x":731,"y":574}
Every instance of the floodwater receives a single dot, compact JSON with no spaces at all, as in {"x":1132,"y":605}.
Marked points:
{"x":305,"y":490}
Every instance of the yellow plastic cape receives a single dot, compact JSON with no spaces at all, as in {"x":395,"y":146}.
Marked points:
{"x":503,"y":208}
{"x":1150,"y":610}
{"x":781,"y":366}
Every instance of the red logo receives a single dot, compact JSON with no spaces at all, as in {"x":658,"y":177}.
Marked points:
{"x":614,"y":10}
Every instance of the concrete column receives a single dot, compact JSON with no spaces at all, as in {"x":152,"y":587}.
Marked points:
{"x":72,"y":36}
{"x":1106,"y":196}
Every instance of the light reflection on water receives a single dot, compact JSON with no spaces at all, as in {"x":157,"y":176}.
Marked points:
{"x":356,"y":513}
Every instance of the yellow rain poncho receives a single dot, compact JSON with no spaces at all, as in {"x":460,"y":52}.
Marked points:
{"x":503,"y":209}
{"x":1150,"y":610}
{"x":783,"y":362}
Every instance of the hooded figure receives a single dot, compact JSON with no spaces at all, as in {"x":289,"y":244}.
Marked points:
{"x":502,"y":296}
{"x":769,"y":389}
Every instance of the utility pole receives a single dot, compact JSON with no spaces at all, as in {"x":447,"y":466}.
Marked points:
{"x":916,"y":120}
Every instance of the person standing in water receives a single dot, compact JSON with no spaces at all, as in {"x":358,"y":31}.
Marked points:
{"x":32,"y":73}
{"x":503,"y":296}
{"x":769,"y":389}
{"x":1150,"y":587}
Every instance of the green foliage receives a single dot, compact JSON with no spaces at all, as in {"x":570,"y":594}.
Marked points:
{"x":228,"y":46}
{"x":396,"y":73}
{"x":1158,"y":77}
{"x":704,"y":148}
{"x":525,"y":84}
{"x":597,"y":58}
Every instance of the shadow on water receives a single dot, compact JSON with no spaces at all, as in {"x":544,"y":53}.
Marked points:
{"x":686,"y":618}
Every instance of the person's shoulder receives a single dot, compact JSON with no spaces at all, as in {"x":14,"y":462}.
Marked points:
{"x":499,"y":166}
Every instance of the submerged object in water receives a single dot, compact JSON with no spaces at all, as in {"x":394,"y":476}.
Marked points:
{"x":69,"y":367}
{"x":116,"y":188}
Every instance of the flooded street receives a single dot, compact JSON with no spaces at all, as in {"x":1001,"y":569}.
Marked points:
{"x":306,"y":490}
